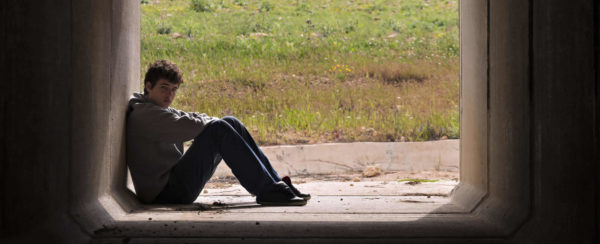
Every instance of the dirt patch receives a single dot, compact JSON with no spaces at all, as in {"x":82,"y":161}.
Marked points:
{"x":221,"y":182}
{"x":228,"y":181}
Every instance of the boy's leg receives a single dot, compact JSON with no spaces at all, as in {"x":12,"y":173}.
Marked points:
{"x":198,"y":164}
{"x":188,"y":177}
{"x":241,"y":158}
{"x":241,"y":129}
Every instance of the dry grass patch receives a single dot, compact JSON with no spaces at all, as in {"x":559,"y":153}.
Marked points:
{"x":399,"y":72}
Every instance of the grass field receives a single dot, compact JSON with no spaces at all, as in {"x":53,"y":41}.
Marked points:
{"x":314,"y":71}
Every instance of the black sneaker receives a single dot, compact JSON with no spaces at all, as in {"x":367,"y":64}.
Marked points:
{"x":296,"y":192}
{"x":280,"y":195}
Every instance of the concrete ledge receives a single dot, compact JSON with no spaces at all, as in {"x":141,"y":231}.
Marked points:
{"x":336,"y":158}
{"x":244,"y":220}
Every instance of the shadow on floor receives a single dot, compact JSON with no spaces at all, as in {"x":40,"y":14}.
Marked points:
{"x":215,"y":206}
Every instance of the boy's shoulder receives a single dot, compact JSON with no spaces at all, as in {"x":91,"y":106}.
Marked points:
{"x":140,"y":106}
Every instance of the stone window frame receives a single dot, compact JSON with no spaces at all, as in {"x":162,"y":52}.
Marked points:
{"x":496,"y":182}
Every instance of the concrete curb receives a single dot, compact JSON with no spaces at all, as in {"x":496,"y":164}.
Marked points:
{"x":336,"y":158}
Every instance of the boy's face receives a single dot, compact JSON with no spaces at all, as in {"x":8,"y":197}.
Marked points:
{"x":163,"y":92}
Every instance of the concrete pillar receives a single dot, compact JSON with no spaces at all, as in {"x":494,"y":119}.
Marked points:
{"x":36,"y":112}
{"x":69,"y":68}
{"x":564,"y":106}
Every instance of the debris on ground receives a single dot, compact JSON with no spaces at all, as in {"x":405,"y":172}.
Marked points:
{"x":219,"y":203}
{"x":412,"y":183}
{"x":416,"y":201}
{"x":230,"y":185}
{"x":205,"y":191}
{"x":371,"y":171}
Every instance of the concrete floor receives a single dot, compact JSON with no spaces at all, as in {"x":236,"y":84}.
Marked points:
{"x":335,"y":191}
{"x":331,"y":200}
{"x":225,"y":209}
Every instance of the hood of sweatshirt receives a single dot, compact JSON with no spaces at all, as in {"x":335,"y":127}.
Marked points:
{"x":137,"y":98}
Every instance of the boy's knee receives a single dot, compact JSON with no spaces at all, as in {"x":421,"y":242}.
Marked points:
{"x":231,"y":120}
{"x":219,"y":123}
{"x":219,"y":126}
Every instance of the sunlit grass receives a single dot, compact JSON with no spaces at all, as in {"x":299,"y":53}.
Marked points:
{"x":314,"y":71}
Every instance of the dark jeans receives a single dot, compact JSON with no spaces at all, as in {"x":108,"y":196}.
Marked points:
{"x":228,"y":139}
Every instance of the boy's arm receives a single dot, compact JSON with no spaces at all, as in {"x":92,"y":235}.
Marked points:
{"x":194,"y":114}
{"x":168,"y":125}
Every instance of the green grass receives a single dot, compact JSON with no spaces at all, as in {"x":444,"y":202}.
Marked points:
{"x":314,"y":71}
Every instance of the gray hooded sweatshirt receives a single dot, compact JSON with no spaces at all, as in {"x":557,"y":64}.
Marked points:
{"x":155,"y":139}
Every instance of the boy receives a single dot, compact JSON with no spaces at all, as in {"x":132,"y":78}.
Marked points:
{"x":163,"y":173}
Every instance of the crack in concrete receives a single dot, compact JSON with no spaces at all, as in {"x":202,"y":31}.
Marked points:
{"x":290,"y":165}
{"x":334,"y":163}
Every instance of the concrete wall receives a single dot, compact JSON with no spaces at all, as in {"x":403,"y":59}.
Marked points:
{"x":529,"y":114}
{"x":69,"y":67}
{"x":36,"y":112}
{"x":348,"y":158}
{"x":564,"y":124}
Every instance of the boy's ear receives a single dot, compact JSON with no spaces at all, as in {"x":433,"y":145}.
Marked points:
{"x":148,"y":85}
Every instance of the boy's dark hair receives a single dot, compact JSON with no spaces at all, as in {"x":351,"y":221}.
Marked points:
{"x":162,"y":69}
